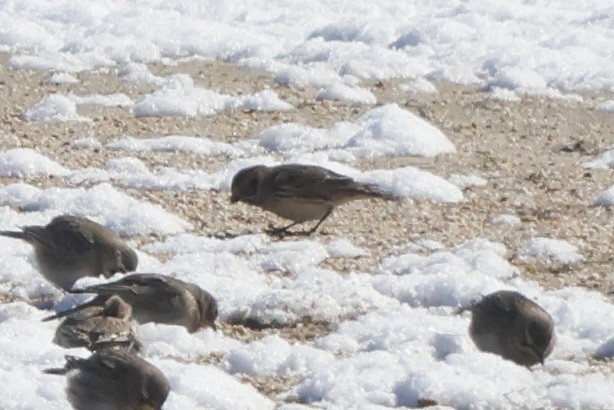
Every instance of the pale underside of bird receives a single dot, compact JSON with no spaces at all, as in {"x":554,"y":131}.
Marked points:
{"x":156,"y":298}
{"x":298,"y":192}
{"x":510,"y":325}
{"x":99,"y":327}
{"x":113,"y":380}
{"x":72,"y":247}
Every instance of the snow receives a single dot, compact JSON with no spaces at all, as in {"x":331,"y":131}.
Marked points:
{"x":273,"y":355}
{"x":467,"y":181}
{"x":398,"y":336}
{"x":607,"y":198}
{"x":114,"y":209}
{"x":137,"y":73}
{"x":204,"y":386}
{"x":85,"y":143}
{"x":179,"y":96}
{"x":411,"y":182}
{"x":391,"y":130}
{"x":309,"y":44}
{"x":112,"y":100}
{"x":338,"y":91}
{"x":395,"y":336}
{"x":385,"y":131}
{"x":607,"y":106}
{"x":506,"y":219}
{"x":419,"y":85}
{"x":503,"y":94}
{"x":128,"y":172}
{"x":54,"y":108}
{"x":554,"y":94}
{"x":605,"y":160}
{"x":25,"y":385}
{"x":556,"y":250}
{"x":26,"y":163}
{"x":343,"y":248}
{"x":62,"y":78}
{"x":175,"y":143}
{"x":606,"y":350}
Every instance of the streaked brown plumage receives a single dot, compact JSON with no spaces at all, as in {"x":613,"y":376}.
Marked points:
{"x":156,"y":298}
{"x":298,"y":192}
{"x":112,"y":379}
{"x":71,"y":247}
{"x":513,"y":326}
{"x":98,"y":327}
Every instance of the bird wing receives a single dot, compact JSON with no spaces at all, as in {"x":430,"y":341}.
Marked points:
{"x":136,"y":284}
{"x":504,"y":302}
{"x":78,"y":310}
{"x":66,"y":232}
{"x":309,"y":182}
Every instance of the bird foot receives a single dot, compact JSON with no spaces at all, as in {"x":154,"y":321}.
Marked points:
{"x":284,"y":232}
{"x":225,"y":235}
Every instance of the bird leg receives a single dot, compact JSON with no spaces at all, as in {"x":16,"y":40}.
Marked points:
{"x":226,"y":235}
{"x":326,"y":215}
{"x":281,"y":232}
{"x":120,"y":264}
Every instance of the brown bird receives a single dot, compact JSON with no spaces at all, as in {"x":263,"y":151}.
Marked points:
{"x":298,"y":192}
{"x":97,"y":327}
{"x":156,"y":298}
{"x":112,"y":379}
{"x":71,"y":247}
{"x":513,"y":326}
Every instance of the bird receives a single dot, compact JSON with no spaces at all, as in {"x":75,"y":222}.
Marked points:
{"x":156,"y":298}
{"x":71,"y":247}
{"x":509,"y":324}
{"x":113,"y":379}
{"x":298,"y":192}
{"x":95,"y":327}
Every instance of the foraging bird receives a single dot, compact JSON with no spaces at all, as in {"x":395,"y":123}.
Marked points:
{"x":112,"y":379}
{"x":511,"y":325}
{"x":71,"y":247}
{"x":156,"y":298}
{"x":97,"y":327}
{"x":298,"y":192}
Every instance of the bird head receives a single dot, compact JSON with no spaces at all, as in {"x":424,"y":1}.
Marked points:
{"x":127,"y":260}
{"x":155,"y":390}
{"x":538,"y":339}
{"x":244,"y":186}
{"x":116,"y":307}
{"x":207,"y":306}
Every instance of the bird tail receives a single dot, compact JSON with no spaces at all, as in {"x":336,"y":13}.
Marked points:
{"x":97,"y":301}
{"x":62,"y":314}
{"x":125,"y":343}
{"x":31,"y":234}
{"x":58,"y":371}
{"x":374,"y":191}
{"x":71,"y":363}
{"x":463,"y":309}
{"x":13,"y":234}
{"x":103,"y":290}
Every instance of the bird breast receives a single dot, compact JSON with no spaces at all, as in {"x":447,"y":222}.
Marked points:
{"x":296,"y":209}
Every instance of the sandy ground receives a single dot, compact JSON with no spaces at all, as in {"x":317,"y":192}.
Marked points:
{"x":530,"y":152}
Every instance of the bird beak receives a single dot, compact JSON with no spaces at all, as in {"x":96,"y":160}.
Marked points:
{"x":539,"y":355}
